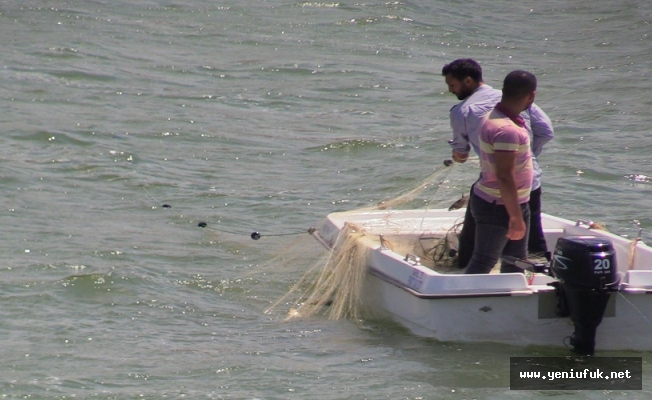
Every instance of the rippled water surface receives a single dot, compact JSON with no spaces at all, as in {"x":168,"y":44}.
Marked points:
{"x":125,"y":124}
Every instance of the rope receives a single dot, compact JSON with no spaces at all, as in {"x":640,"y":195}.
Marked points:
{"x":632,"y":249}
{"x":254,"y":235}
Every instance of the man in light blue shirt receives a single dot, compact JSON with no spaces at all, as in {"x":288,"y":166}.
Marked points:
{"x":464,"y":79}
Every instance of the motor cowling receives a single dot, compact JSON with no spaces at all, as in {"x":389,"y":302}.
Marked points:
{"x":586,"y":261}
{"x":587,"y":272}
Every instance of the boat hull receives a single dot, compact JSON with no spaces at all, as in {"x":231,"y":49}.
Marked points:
{"x":505,"y":319}
{"x":510,"y":308}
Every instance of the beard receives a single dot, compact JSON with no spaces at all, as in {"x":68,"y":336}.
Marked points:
{"x":464,"y":92}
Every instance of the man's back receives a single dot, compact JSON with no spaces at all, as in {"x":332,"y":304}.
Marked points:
{"x":499,"y":133}
{"x":466,"y":116}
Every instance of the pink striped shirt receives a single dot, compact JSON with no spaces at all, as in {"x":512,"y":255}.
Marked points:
{"x":499,"y":132}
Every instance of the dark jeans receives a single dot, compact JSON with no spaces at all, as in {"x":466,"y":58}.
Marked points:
{"x":491,"y":242}
{"x":536,"y":240}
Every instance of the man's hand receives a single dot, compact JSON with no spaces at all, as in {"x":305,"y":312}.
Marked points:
{"x":517,"y":228}
{"x":505,"y":165}
{"x":460,"y":157}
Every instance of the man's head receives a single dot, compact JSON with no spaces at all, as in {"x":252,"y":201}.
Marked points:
{"x":519,"y":88}
{"x":463,"y":77}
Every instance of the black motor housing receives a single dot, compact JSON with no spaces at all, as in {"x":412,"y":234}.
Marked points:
{"x":587,"y":271}
{"x":585,"y":261}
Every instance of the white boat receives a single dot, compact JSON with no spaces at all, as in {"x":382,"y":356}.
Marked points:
{"x":403,"y":282}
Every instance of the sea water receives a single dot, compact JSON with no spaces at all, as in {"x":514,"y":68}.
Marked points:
{"x":124,"y":124}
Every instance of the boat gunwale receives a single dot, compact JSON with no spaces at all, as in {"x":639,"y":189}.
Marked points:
{"x":430,"y":296}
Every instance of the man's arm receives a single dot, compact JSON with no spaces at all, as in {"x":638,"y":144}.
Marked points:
{"x":505,"y":173}
{"x":460,"y":141}
{"x":542,"y":130}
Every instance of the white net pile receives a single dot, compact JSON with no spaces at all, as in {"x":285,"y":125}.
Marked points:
{"x":335,"y":286}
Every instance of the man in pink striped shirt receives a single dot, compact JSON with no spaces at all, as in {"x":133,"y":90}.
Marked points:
{"x":499,"y":202}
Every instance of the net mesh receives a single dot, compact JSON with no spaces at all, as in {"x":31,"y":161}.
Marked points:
{"x":334,"y":286}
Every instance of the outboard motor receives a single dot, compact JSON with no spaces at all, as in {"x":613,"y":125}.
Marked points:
{"x":586,"y":268}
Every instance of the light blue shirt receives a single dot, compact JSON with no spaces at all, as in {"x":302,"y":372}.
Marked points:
{"x":465,"y":118}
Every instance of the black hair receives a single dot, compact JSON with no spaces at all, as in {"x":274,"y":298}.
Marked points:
{"x":462,"y":68}
{"x":518,"y":84}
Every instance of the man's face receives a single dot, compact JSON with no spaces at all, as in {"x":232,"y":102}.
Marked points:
{"x":461,"y":89}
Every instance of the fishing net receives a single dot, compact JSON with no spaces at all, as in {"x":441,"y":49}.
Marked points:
{"x":335,"y":285}
{"x":436,"y":181}
{"x":339,"y":282}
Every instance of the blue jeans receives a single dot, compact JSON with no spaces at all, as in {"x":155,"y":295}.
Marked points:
{"x":491,"y":242}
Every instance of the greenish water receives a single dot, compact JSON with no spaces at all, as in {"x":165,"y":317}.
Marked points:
{"x":266,"y":116}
